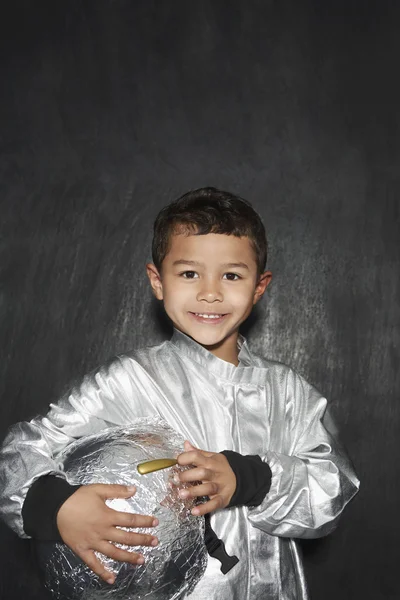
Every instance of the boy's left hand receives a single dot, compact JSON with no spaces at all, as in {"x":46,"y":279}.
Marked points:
{"x":218,"y":481}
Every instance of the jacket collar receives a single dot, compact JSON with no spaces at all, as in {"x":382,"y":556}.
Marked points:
{"x":246,"y":371}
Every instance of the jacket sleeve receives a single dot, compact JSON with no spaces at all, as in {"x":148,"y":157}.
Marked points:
{"x":30,"y":449}
{"x":312,"y":478}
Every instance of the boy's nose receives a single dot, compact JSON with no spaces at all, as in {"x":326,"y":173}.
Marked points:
{"x":210,"y":293}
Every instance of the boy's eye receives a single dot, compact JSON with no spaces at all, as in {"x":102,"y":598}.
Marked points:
{"x":231,"y":276}
{"x":189,"y":274}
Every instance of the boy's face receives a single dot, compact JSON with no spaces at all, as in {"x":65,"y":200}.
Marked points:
{"x":209,"y":284}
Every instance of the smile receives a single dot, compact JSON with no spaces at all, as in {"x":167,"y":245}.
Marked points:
{"x":214,"y":317}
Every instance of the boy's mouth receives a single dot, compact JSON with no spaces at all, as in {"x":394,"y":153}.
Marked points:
{"x":212,"y":318}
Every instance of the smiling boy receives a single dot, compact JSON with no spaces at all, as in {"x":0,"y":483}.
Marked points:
{"x":209,"y":285}
{"x":262,"y":444}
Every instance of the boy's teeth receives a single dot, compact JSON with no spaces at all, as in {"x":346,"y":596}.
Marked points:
{"x":208,"y":316}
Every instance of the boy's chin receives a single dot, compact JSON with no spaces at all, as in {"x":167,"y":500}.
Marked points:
{"x":209,"y":339}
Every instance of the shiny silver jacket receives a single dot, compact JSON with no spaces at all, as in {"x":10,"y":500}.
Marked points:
{"x":260,"y":407}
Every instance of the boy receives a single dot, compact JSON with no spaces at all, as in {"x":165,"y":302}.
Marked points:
{"x":264,"y":449}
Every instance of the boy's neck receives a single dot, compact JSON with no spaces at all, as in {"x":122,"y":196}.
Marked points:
{"x":226,"y":350}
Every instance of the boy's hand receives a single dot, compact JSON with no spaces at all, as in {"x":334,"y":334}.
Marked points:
{"x":218,"y":481}
{"x":87,"y":524}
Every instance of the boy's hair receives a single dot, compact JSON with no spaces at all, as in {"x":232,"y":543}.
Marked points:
{"x":209,"y":210}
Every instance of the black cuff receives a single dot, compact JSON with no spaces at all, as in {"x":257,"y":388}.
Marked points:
{"x":253,"y":478}
{"x":42,"y":503}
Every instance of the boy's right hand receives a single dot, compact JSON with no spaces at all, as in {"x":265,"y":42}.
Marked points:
{"x":87,"y":524}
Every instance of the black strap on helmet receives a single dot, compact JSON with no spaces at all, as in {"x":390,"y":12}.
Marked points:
{"x":216,"y":548}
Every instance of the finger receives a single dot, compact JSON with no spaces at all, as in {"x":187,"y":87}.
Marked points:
{"x":97,"y":566}
{"x":205,"y":489}
{"x":130,"y":520}
{"x":194,"y":457}
{"x":196,"y":474}
{"x":108,"y":549}
{"x":188,"y":458}
{"x":208,"y":507}
{"x":189,"y":446}
{"x":131,"y":538}
{"x":106,"y":491}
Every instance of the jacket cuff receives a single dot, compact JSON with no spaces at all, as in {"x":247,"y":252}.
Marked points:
{"x":42,"y":503}
{"x":253,"y":478}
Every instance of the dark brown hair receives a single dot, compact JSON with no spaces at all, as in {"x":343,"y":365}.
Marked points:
{"x":209,"y":210}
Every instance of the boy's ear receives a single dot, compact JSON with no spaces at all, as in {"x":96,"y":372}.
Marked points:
{"x":262,"y":284}
{"x":155,"y":280}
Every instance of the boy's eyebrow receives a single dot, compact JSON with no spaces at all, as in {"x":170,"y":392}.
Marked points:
{"x":236,"y":265}
{"x":183,"y":261}
{"x":195,"y":263}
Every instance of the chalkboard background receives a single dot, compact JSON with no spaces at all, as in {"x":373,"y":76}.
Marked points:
{"x":112,"y":108}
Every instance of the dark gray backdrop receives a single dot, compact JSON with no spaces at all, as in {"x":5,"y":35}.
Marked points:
{"x":110,"y":109}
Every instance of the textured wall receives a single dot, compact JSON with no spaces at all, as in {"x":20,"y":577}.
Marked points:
{"x":109,"y":109}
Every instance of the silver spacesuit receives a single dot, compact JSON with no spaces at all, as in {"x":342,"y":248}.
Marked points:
{"x":259,"y":407}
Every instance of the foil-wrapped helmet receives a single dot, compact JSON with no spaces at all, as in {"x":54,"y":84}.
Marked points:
{"x":171,"y":569}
